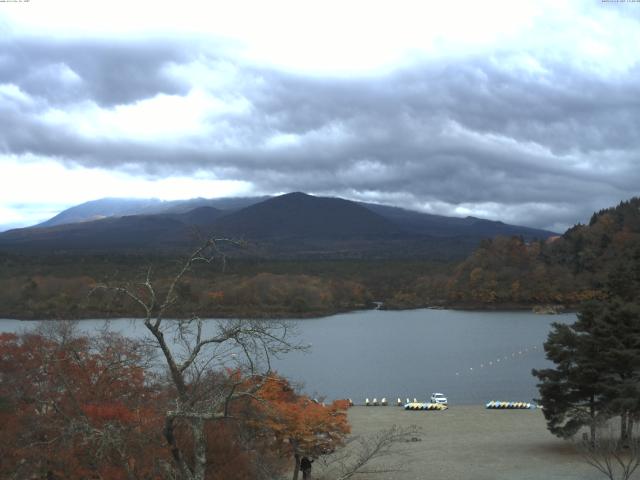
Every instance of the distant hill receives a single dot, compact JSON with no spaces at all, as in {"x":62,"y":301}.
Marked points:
{"x":583,"y":263}
{"x":292,"y":224}
{"x":131,"y":232}
{"x":120,"y":207}
{"x":202,"y":217}
{"x":103,"y":208}
{"x":442,"y":226}
{"x":298,"y":215}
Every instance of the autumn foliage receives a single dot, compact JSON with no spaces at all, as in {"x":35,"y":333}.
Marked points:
{"x":300,"y":425}
{"x":74,"y":407}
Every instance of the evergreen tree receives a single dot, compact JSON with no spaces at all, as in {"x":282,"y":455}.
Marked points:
{"x":614,"y":328}
{"x":597,"y":372}
{"x":570,"y":393}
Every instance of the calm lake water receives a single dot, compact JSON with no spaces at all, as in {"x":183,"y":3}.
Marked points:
{"x":472,"y":357}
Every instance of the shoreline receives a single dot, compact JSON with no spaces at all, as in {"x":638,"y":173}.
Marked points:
{"x":299,"y":315}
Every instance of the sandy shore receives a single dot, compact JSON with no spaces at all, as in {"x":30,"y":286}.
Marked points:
{"x":470,"y":442}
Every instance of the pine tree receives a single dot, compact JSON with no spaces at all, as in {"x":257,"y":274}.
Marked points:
{"x":614,"y":328}
{"x":597,"y":373}
{"x":570,"y":393}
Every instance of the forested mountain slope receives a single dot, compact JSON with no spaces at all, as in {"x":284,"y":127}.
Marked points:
{"x":294,"y":225}
{"x":504,"y":272}
{"x":564,"y":270}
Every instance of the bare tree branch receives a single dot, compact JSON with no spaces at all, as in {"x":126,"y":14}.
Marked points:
{"x":610,"y":456}
{"x":364,"y":455}
{"x":202,"y":395}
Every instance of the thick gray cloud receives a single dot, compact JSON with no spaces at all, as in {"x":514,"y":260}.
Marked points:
{"x":107,"y":72}
{"x":542,"y":146}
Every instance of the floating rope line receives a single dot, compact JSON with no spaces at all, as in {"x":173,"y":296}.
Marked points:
{"x":501,"y":360}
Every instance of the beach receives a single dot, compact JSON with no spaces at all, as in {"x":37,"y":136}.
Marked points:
{"x":471,"y":442}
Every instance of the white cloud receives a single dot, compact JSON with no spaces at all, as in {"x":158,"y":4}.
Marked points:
{"x":13,"y":93}
{"x":333,"y":36}
{"x":162,"y":117}
{"x":31,"y":186}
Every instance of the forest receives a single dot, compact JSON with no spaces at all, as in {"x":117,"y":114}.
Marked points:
{"x":502,"y":273}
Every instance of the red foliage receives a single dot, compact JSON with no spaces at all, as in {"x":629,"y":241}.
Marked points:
{"x":75,"y":408}
{"x":100,"y":414}
{"x":78,"y":408}
{"x":301,"y":425}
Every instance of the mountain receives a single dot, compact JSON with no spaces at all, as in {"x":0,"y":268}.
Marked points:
{"x":292,"y":224}
{"x":582,"y":264}
{"x":116,"y":233}
{"x":119,"y":207}
{"x":227,"y":204}
{"x":441,"y":226}
{"x":199,"y":217}
{"x":298,"y":215}
{"x":103,"y":208}
{"x":130,"y":232}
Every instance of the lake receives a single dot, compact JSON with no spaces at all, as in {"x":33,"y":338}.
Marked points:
{"x":472,"y":357}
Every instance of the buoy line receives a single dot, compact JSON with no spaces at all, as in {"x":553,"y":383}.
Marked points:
{"x":499,"y":360}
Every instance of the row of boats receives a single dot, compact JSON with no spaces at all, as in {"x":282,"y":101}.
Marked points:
{"x":426,"y":406}
{"x":510,"y":405}
{"x":383,"y":402}
{"x":416,"y":405}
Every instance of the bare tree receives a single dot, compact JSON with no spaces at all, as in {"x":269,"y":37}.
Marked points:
{"x":366,"y":455}
{"x":614,"y":458}
{"x":195,"y":353}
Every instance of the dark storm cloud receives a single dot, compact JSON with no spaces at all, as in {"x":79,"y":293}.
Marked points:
{"x":471,"y":132}
{"x":544,"y":145}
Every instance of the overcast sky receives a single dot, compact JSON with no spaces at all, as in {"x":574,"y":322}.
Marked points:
{"x":523,"y":112}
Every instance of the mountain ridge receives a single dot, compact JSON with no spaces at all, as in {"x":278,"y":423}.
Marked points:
{"x":293,"y":222}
